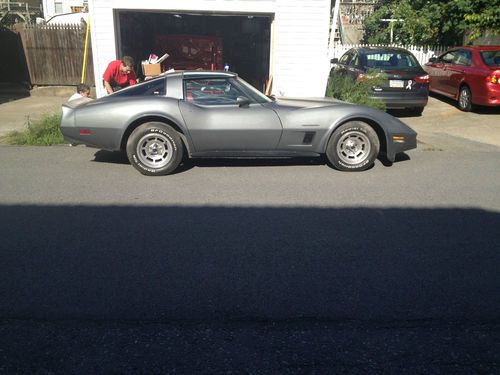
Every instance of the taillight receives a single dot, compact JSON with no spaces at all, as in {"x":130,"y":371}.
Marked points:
{"x":493,"y":79}
{"x":422,"y":79}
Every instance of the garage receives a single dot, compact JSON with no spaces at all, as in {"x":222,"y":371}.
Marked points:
{"x":284,"y":42}
{"x":199,"y":41}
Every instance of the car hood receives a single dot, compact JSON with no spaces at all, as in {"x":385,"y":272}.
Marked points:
{"x":307,"y":102}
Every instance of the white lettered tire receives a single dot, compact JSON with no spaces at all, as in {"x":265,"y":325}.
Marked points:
{"x":154,"y":149}
{"x":353,"y":146}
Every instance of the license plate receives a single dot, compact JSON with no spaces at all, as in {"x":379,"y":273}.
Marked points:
{"x":396,"y":83}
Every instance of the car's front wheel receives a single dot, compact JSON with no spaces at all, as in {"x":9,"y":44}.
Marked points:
{"x":354,"y":146}
{"x":154,"y":149}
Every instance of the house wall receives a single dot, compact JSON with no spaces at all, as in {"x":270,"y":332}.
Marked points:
{"x":49,"y":6}
{"x":299,"y":61}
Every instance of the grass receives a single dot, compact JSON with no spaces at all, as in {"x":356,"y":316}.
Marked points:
{"x":43,"y":132}
{"x":345,"y":88}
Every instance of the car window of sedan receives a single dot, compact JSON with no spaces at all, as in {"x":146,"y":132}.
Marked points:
{"x":491,"y":58}
{"x":463,"y":57}
{"x":345,"y":59}
{"x":448,"y":58}
{"x":212,"y":91}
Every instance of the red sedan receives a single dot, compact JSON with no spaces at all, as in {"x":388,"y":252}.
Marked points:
{"x":470,"y":75}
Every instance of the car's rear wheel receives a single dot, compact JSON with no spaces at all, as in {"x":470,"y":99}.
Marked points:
{"x":154,"y":148}
{"x":465,"y":99}
{"x":354,"y":146}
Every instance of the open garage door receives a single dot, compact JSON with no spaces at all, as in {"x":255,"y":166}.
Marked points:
{"x":197,"y":40}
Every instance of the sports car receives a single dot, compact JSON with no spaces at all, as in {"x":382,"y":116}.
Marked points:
{"x":200,"y":114}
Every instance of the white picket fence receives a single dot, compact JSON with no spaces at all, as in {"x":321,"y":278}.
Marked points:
{"x":422,"y":53}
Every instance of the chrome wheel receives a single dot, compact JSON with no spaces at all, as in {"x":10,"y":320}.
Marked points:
{"x":465,"y":99}
{"x":354,"y":147}
{"x":155,"y":150}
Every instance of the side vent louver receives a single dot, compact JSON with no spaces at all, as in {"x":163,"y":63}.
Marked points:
{"x":308,"y":138}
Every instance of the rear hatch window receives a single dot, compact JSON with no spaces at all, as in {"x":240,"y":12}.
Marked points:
{"x":391,"y":61}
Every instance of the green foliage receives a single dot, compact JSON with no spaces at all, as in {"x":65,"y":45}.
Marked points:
{"x":345,"y":88}
{"x":44,"y":132}
{"x":432,"y":22}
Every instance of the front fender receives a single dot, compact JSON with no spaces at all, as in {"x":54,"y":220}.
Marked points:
{"x":385,"y":125}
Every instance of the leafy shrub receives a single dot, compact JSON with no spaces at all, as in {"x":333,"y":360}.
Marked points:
{"x":347,"y":89}
{"x":44,"y":132}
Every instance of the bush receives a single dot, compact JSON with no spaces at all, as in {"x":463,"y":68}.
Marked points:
{"x":347,"y":89}
{"x":44,"y":132}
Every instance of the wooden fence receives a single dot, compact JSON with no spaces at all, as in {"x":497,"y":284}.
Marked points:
{"x":422,"y":53}
{"x":54,"y":54}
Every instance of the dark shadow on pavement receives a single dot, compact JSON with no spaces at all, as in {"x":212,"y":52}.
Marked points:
{"x":482,"y":110}
{"x":117,"y":157}
{"x":212,"y":263}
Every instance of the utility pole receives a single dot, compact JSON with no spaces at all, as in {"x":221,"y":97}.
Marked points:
{"x":391,"y":23}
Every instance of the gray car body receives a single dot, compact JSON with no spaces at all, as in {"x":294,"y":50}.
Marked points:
{"x":280,"y":128}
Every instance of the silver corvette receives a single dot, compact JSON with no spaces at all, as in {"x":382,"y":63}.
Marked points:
{"x":216,"y":114}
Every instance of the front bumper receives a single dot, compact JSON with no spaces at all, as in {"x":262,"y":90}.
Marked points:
{"x":401,"y":142}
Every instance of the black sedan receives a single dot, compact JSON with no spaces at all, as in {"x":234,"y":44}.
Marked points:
{"x":216,"y":114}
{"x":406,"y":85}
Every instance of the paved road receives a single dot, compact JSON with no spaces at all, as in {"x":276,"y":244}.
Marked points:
{"x":298,"y":251}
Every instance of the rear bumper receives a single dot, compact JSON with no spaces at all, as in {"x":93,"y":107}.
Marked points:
{"x":490,"y":96}
{"x":403,"y":100}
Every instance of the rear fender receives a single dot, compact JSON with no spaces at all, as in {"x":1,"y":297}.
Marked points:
{"x":137,"y":121}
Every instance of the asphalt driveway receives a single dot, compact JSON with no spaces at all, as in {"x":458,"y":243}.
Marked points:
{"x":443,"y":126}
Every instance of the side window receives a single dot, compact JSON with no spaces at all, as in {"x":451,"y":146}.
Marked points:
{"x":346,"y":58}
{"x":154,"y":87}
{"x":448,"y":58}
{"x":463,"y":57}
{"x":213,"y":91}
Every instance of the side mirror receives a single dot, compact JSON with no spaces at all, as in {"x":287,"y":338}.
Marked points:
{"x":433,"y":59}
{"x":334,"y":61}
{"x":243,"y":101}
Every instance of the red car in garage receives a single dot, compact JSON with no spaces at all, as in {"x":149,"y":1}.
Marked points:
{"x":470,"y":75}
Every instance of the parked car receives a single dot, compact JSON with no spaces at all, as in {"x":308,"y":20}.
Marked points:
{"x":216,"y":114}
{"x":469,"y":75}
{"x":406,"y":84}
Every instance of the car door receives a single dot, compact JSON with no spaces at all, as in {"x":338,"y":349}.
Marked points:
{"x":342,"y":67}
{"x":456,"y":71}
{"x":438,"y":71}
{"x":447,"y":60}
{"x":222,"y":117}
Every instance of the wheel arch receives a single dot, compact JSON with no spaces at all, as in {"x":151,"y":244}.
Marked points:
{"x":153,"y":118}
{"x":461,"y":84}
{"x":381,"y":134}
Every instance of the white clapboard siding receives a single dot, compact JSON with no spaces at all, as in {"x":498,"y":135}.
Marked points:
{"x":422,"y":53}
{"x":299,"y":59}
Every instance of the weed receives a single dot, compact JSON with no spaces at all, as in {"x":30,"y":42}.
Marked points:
{"x":44,"y":132}
{"x":347,"y":89}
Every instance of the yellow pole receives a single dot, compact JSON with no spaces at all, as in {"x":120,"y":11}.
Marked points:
{"x":85,"y":50}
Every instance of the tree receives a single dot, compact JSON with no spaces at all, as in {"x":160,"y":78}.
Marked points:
{"x":431,"y":22}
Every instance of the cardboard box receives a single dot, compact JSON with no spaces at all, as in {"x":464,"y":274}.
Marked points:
{"x":151,"y":70}
{"x":154,"y":69}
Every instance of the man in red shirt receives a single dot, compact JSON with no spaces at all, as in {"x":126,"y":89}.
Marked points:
{"x":119,"y":74}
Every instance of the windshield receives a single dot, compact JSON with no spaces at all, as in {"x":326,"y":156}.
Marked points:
{"x":491,"y":58}
{"x":387,"y":60}
{"x":221,"y":90}
{"x":251,"y":91}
